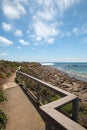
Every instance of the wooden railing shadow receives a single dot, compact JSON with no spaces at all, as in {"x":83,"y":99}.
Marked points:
{"x":52,"y":113}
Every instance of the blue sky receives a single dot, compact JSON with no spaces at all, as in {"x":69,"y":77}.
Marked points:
{"x":43,"y":30}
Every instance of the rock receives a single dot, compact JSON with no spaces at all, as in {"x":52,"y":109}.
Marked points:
{"x":67,"y":85}
{"x":85,"y":99}
{"x":76,"y":90}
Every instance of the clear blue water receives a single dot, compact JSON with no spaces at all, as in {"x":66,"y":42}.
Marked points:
{"x":78,"y":70}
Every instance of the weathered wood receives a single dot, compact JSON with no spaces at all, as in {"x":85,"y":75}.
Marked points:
{"x":51,"y":87}
{"x":42,"y":95}
{"x":61,"y":102}
{"x":62,"y":119}
{"x":26,"y":83}
{"x":38,"y":93}
{"x":75,"y":110}
{"x":51,"y":108}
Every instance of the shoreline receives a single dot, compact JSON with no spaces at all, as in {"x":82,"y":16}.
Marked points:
{"x":58,"y":78}
{"x":70,"y":68}
{"x":80,"y":87}
{"x":78,"y":76}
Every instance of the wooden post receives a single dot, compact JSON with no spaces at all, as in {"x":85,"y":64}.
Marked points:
{"x":75,"y":110}
{"x":26,"y":83}
{"x":21,"y":79}
{"x":38,"y":93}
{"x":16,"y":74}
{"x":16,"y":79}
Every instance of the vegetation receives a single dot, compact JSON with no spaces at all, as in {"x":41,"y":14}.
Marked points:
{"x":82,"y":115}
{"x":2,"y":97}
{"x":3,"y":116}
{"x":82,"y":119}
{"x":3,"y":120}
{"x":6,"y":70}
{"x":68,"y":108}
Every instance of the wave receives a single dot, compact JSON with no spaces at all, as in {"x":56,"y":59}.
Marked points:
{"x":77,"y":66}
{"x":80,"y":76}
{"x":77,"y":75}
{"x":73,"y":73}
{"x":47,"y":63}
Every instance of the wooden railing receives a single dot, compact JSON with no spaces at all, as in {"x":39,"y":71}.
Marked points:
{"x":35,"y":87}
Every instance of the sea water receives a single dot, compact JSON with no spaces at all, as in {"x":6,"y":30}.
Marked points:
{"x":77,"y":70}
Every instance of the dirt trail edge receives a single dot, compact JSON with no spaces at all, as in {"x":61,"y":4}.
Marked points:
{"x":21,"y":113}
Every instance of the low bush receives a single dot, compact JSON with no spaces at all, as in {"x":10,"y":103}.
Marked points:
{"x":3,"y":120}
{"x":2,"y":97}
{"x":3,"y":116}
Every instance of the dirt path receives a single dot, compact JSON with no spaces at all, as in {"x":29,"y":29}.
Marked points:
{"x":22,"y":115}
{"x":10,"y":82}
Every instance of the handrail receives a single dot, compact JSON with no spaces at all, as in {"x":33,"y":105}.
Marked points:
{"x":51,"y":109}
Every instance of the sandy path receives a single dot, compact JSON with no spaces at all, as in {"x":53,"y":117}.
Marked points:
{"x":10,"y":82}
{"x":22,"y":115}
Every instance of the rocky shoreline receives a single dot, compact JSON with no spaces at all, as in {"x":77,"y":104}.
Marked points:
{"x":60,"y":79}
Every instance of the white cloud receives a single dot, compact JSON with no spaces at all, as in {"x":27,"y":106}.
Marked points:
{"x":44,"y":31}
{"x":43,"y":20}
{"x":45,"y":2}
{"x":19,"y":48}
{"x":18,"y":33}
{"x":11,"y":12}
{"x":46,"y":11}
{"x":61,"y":5}
{"x":7,"y":27}
{"x":23,"y":42}
{"x":38,"y":38}
{"x":81,"y":30}
{"x":50,"y":40}
{"x":5,"y":41}
{"x":85,"y":39}
{"x":75,"y":31}
{"x":13,"y":9}
{"x":65,"y":4}
{"x":64,"y":33}
{"x":3,"y":54}
{"x":46,"y":15}
{"x":84,"y":28}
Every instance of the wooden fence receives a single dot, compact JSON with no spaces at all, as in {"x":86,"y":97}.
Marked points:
{"x":41,"y":91}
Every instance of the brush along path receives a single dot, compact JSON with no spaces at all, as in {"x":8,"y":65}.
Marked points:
{"x":21,"y":114}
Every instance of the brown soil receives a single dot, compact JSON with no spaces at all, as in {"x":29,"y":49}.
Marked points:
{"x":21,"y":113}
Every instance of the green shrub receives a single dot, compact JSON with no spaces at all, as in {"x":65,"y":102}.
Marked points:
{"x":68,"y":108}
{"x":2,"y":97}
{"x":82,"y":118}
{"x":8,"y":75}
{"x":3,"y":120}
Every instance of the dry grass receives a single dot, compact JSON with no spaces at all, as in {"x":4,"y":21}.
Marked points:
{"x":6,"y":70}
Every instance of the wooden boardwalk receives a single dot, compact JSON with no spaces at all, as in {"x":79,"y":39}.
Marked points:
{"x":22,"y":115}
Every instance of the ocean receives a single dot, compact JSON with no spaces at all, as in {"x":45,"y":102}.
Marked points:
{"x":77,"y":70}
